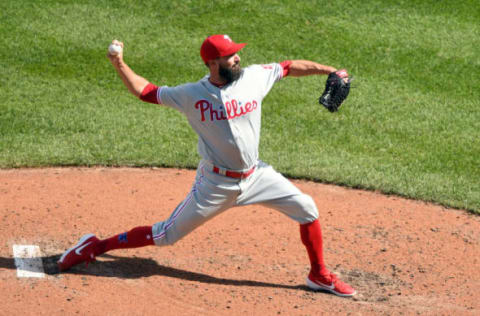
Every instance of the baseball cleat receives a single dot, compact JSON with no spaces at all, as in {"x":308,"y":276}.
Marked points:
{"x":83,"y":251}
{"x":330,"y":283}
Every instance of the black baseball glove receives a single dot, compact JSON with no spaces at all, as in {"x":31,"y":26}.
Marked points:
{"x":336,"y":90}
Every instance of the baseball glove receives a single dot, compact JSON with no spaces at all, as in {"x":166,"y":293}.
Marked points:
{"x":336,"y":90}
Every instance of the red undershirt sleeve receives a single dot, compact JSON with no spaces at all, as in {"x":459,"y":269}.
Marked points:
{"x":149,"y":94}
{"x":286,"y":67}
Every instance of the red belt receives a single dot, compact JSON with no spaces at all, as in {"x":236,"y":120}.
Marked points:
{"x":234,"y":174}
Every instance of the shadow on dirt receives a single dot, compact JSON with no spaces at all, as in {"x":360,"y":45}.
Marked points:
{"x":373,"y":287}
{"x":7,"y":263}
{"x":135,"y":268}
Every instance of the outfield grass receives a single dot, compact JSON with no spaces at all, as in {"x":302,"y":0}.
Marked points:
{"x":410,"y":126}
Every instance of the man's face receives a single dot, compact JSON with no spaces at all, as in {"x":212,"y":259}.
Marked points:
{"x":229,"y":68}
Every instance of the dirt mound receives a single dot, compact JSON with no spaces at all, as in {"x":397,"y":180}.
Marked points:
{"x":402,"y":256}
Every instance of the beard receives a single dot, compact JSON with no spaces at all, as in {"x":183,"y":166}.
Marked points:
{"x":230,"y":74}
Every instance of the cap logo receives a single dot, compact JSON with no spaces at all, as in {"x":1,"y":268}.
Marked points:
{"x":227,"y":38}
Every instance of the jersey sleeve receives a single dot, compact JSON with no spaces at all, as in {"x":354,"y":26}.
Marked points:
{"x":153,"y":94}
{"x":271,"y":73}
{"x":179,"y":97}
{"x":174,"y":97}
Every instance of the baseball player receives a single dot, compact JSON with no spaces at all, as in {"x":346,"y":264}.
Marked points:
{"x":224,"y":108}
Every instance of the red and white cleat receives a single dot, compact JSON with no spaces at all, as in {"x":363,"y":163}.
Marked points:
{"x":83,"y":251}
{"x":330,"y":282}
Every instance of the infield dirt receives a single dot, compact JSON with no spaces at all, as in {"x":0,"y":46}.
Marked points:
{"x":404,"y":257}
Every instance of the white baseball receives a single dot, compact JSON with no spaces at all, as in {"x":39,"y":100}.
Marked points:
{"x":114,"y":49}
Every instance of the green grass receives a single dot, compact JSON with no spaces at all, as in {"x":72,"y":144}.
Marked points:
{"x":410,"y":126}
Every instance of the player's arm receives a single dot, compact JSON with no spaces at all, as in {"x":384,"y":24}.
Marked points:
{"x":299,"y":68}
{"x":134,"y":83}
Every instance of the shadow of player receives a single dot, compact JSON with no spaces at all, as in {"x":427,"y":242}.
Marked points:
{"x":134,"y":268}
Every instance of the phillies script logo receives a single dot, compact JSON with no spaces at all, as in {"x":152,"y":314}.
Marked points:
{"x":232,"y":110}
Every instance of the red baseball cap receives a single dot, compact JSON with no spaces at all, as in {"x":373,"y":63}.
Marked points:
{"x":219,"y":46}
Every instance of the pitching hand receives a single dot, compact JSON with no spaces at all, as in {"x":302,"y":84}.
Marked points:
{"x":115,"y":51}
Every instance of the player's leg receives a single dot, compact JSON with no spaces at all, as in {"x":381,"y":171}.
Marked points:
{"x":202,"y":203}
{"x":90,"y":246}
{"x":210,"y":195}
{"x":205,"y":200}
{"x":137,"y":237}
{"x":272,"y":189}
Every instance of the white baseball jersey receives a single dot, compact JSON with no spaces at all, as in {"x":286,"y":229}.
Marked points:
{"x":227,"y":120}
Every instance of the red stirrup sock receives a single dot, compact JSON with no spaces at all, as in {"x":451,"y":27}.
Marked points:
{"x":135,"y":238}
{"x":311,"y":234}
